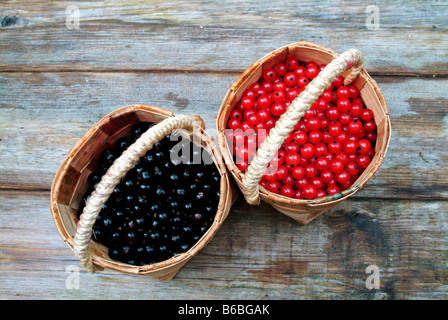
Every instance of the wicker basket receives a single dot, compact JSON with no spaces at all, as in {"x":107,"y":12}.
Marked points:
{"x":349,"y":65}
{"x":70,"y":183}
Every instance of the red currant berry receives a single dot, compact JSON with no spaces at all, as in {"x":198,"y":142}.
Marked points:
{"x":298,"y":194}
{"x":342,"y":137}
{"x":245,"y":126}
{"x":321,"y":105}
{"x":370,"y":126}
{"x":310,"y":171}
{"x":354,"y":126}
{"x":298,"y":172}
{"x":343,"y":157}
{"x":270,"y":123}
{"x":326,"y":176}
{"x":302,"y":81}
{"x":366,"y":114}
{"x":278,"y":96}
{"x":364,"y":146}
{"x":336,"y":166}
{"x":292,"y":93}
{"x":354,"y":92}
{"x":338,"y":82}
{"x":352,"y":168}
{"x":281,"y":69}
{"x":281,"y":173}
{"x":322,"y":163}
{"x":263,"y":101}
{"x":312,"y":71}
{"x":332,"y":113}
{"x":307,"y":150}
{"x":313,"y":123}
{"x":327,"y":95}
{"x":292,"y":147}
{"x":264,"y":114}
{"x":363,"y":161}
{"x":269,"y":75}
{"x":300,"y":71}
{"x":320,"y":193}
{"x":267,"y":86}
{"x":292,"y":159}
{"x":290,"y":79}
{"x":356,"y":109}
{"x":371,"y":136}
{"x":277,"y":109}
{"x":345,"y":118}
{"x":234,"y":123}
{"x":317,"y":182}
{"x":273,"y":186}
{"x":350,"y":147}
{"x":335,"y":147}
{"x":253,"y":119}
{"x":247,"y":102}
{"x":279,"y":86}
{"x":334,"y":128}
{"x":344,"y":105}
{"x":301,"y":183}
{"x":287,"y":191}
{"x":320,"y":149}
{"x":333,"y":190}
{"x":315,"y":136}
{"x":300,"y":137}
{"x":309,"y":192}
{"x":343,"y":177}
{"x":292,"y":63}
{"x":343,"y":92}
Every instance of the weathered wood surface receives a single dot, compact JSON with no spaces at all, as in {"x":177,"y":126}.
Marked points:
{"x":220,"y":35}
{"x":258,"y":253}
{"x":55,"y":83}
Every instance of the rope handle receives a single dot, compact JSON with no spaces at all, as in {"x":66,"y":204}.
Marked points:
{"x":116,"y":172}
{"x":352,"y":59}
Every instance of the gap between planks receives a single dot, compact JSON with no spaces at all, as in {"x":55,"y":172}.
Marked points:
{"x":230,"y":72}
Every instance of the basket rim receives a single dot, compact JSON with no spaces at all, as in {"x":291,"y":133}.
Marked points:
{"x":227,"y":197}
{"x":269,"y":196}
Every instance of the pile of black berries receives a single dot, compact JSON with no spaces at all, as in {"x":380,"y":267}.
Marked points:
{"x":163,"y":205}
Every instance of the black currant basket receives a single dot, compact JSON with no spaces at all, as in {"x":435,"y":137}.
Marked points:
{"x":70,"y":184}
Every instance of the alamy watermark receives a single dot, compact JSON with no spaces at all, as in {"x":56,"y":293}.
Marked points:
{"x":373,"y":20}
{"x":72,"y":20}
{"x":373,"y":280}
{"x":72,"y":280}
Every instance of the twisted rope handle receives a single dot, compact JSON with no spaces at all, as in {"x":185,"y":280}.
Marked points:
{"x":114,"y":175}
{"x":352,"y":59}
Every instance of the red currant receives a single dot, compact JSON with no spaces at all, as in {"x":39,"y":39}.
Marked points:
{"x":281,"y":69}
{"x":292,"y":63}
{"x":277,"y":109}
{"x":307,"y":150}
{"x":290,"y":79}
{"x":269,"y":74}
{"x":309,"y":192}
{"x":287,"y":191}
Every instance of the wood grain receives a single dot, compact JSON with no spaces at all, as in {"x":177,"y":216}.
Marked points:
{"x":257,"y":253}
{"x":218,"y":36}
{"x":32,"y":149}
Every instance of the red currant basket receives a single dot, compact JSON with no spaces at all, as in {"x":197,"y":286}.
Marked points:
{"x":70,"y":184}
{"x":349,"y":66}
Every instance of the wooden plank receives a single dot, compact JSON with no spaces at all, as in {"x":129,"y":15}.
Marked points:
{"x":42,"y":115}
{"x":225,"y":36}
{"x":257,"y":254}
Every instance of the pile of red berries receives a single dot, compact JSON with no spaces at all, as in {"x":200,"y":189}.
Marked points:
{"x":327,"y":150}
